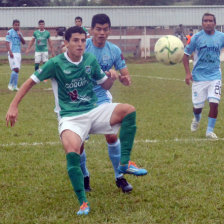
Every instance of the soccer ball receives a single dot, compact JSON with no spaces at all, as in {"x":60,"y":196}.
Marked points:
{"x":169,"y":50}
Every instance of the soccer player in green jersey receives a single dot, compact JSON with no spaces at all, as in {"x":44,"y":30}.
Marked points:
{"x":78,"y":22}
{"x":73,"y":76}
{"x":42,"y":37}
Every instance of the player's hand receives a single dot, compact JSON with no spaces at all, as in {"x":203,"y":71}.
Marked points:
{"x":11,"y":116}
{"x":188,"y":79}
{"x":112,"y":74}
{"x":125,"y":79}
{"x":52,"y":54}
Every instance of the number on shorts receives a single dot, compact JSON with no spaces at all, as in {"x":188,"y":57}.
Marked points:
{"x":218,"y":90}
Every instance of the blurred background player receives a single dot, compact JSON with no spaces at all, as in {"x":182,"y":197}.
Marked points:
{"x":78,"y":22}
{"x":107,"y":55}
{"x":188,"y":37}
{"x":42,"y":38}
{"x":188,"y":40}
{"x":14,"y":38}
{"x":206,"y":74}
{"x":179,"y":32}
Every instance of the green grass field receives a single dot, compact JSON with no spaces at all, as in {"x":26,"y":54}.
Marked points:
{"x":185,"y":183}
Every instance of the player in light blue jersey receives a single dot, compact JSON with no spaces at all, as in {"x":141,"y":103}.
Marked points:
{"x":206,"y":73}
{"x":14,"y":38}
{"x":108,"y":55}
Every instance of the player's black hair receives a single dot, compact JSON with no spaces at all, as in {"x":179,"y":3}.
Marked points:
{"x":15,"y":21}
{"x":41,"y":21}
{"x":78,"y":17}
{"x":73,"y":29}
{"x":100,"y":19}
{"x":209,"y":14}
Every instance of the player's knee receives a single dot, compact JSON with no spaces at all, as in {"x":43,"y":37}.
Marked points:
{"x":129,"y":109}
{"x":111,"y":138}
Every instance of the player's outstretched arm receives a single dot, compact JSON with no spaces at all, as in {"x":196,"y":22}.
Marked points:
{"x":30,"y":45}
{"x":12,"y":113}
{"x":188,"y":77}
{"x":124,"y":77}
{"x":112,"y":76}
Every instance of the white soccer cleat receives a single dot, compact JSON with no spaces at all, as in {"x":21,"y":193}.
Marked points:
{"x":211,"y":135}
{"x":10,"y":87}
{"x":194,"y":125}
{"x":15,"y":89}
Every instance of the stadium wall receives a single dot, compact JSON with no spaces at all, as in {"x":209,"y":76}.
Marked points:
{"x":123,"y":16}
{"x":135,"y":29}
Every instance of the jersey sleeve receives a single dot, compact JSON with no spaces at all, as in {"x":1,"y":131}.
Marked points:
{"x":34,"y":35}
{"x":190,"y":48}
{"x":99,"y":76}
{"x":119,"y":60}
{"x":47,"y":71}
{"x":8,"y":37}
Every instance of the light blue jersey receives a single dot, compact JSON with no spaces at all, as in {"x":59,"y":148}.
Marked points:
{"x":206,"y":50}
{"x":14,"y":39}
{"x":108,"y":56}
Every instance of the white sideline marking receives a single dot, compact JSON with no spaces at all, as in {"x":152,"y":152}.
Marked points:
{"x":161,"y":78}
{"x":136,"y":141}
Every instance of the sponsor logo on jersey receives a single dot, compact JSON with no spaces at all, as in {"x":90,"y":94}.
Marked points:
{"x":88,"y":69}
{"x":67,"y":72}
{"x":73,"y":95}
{"x":80,"y":82}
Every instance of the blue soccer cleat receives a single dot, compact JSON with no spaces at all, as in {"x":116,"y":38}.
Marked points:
{"x":131,"y":168}
{"x":84,"y":209}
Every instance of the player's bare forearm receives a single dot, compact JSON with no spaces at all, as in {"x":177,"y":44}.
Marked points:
{"x":51,"y":47}
{"x":188,"y":77}
{"x":124,"y":77}
{"x":22,"y":39}
{"x":112,"y":76}
{"x":30,"y":45}
{"x":12,"y":113}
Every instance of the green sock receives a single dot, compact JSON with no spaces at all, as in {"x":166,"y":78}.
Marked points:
{"x":76,"y":176}
{"x":127,"y":136}
{"x":36,"y":66}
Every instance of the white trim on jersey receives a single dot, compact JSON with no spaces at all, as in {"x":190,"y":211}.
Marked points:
{"x":57,"y":108}
{"x":102,"y":80}
{"x":34,"y":78}
{"x":75,"y":63}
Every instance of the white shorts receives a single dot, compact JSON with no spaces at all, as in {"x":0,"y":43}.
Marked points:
{"x":97,"y":121}
{"x":206,"y":90}
{"x":15,"y":62}
{"x":41,"y":56}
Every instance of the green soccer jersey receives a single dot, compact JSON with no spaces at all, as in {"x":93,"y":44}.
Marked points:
{"x":72,"y":84}
{"x":41,"y":40}
{"x":87,"y":33}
